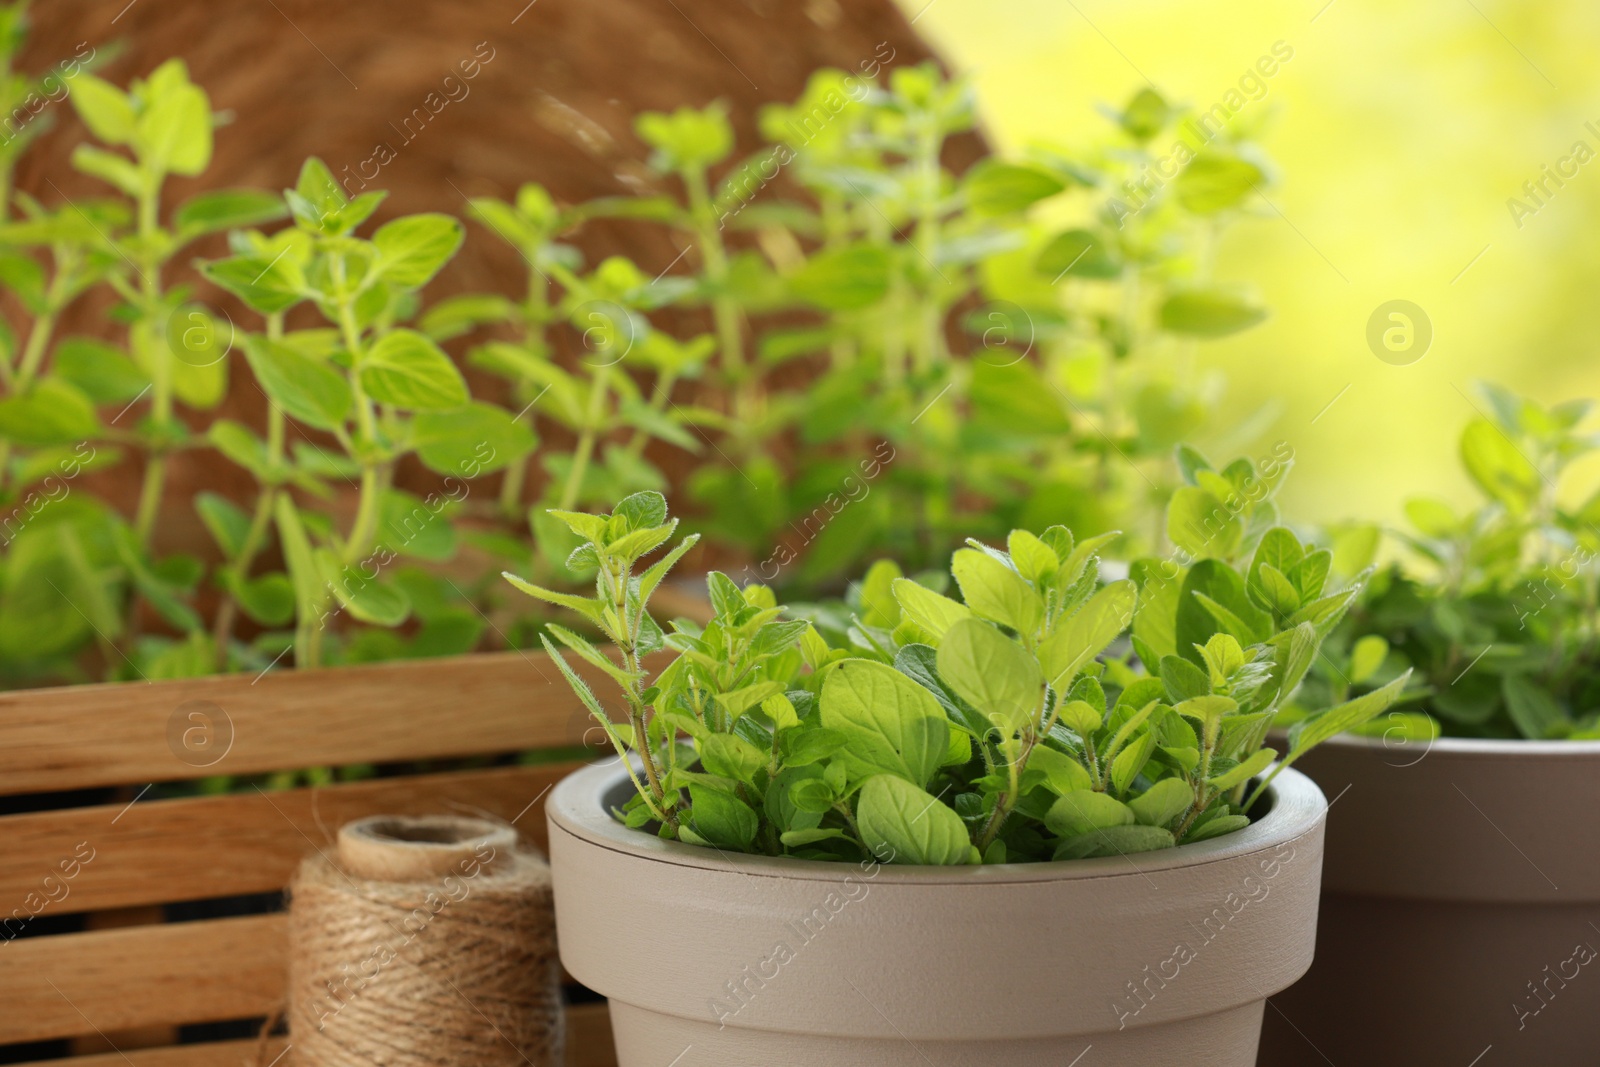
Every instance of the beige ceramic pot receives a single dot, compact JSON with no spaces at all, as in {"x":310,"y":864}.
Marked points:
{"x":714,"y":960}
{"x":1460,"y":910}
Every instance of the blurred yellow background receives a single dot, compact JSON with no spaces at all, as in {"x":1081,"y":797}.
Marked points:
{"x":1400,"y":133}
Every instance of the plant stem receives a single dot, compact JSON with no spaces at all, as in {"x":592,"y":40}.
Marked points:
{"x":584,"y":451}
{"x":660,"y":396}
{"x":266,"y":498}
{"x":1006,"y":802}
{"x":535,"y":312}
{"x":931,"y":336}
{"x":160,"y":361}
{"x":724,"y":308}
{"x":627,"y":640}
{"x":38,"y":342}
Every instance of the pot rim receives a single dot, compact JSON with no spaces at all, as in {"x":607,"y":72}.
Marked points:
{"x":1298,"y":805}
{"x":1474,"y":747}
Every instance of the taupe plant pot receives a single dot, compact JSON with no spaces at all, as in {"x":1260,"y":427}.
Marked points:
{"x":1460,"y":910}
{"x":712,"y":960}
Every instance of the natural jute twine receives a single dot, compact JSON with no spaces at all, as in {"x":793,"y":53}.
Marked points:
{"x":424,"y":942}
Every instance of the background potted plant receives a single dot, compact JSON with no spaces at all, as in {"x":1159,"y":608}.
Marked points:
{"x":1451,"y":870}
{"x":964,"y":762}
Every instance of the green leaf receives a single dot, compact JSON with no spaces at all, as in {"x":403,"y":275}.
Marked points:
{"x":1114,"y":841}
{"x":1308,"y":733}
{"x":779,"y":807}
{"x":1154,"y":631}
{"x":1080,"y":812}
{"x":104,"y":374}
{"x":1062,"y":773}
{"x":738,"y":701}
{"x":226,"y":209}
{"x":1279,"y":548}
{"x":53,"y":412}
{"x":811,"y":795}
{"x":269,"y":599}
{"x":109,"y":167}
{"x":687,"y":138}
{"x":902,"y":823}
{"x":891,"y":724}
{"x":227,"y":522}
{"x":919,"y":663}
{"x":457,"y":315}
{"x":1163,"y":802}
{"x":996,"y":592}
{"x":470,"y":441}
{"x":801,"y":838}
{"x":308,"y":588}
{"x":407,"y":370}
{"x":584,"y":606}
{"x":1497,"y":466}
{"x":174,"y":133}
{"x":995,"y":187}
{"x":1253,"y":765}
{"x":1145,"y":115}
{"x":413,"y":248}
{"x":38,"y":618}
{"x":1210,"y":312}
{"x":1533,"y":710}
{"x":104,"y":108}
{"x":1210,"y":587}
{"x":721,"y":818}
{"x":1222,"y":824}
{"x":412,"y":526}
{"x":307,"y":389}
{"x":729,"y":756}
{"x":1131,"y":760}
{"x":267,"y":284}
{"x":1077,"y":641}
{"x":929,"y":610}
{"x":367,"y":599}
{"x":241,"y":445}
{"x":1366,"y":656}
{"x":844,"y":279}
{"x":1201,"y":525}
{"x":992,"y":673}
{"x":1081,"y":717}
{"x":1217,"y":180}
{"x":1078,"y":253}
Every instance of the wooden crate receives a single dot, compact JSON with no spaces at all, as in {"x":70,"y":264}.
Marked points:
{"x":131,"y":978}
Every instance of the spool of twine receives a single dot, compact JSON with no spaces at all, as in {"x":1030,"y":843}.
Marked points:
{"x":424,"y":942}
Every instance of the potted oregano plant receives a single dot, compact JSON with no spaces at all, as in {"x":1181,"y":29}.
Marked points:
{"x":818,"y":830}
{"x":1452,"y":864}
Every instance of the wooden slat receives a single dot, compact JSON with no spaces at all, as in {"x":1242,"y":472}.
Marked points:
{"x":110,"y":980}
{"x":210,"y":1054}
{"x":93,"y":735}
{"x":160,"y":851}
{"x":588,"y":1045}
